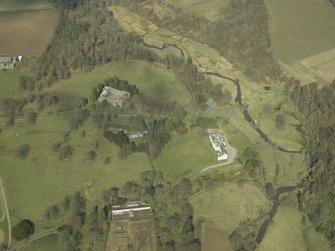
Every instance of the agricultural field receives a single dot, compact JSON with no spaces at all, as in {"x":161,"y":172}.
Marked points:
{"x":287,"y":232}
{"x":41,"y":180}
{"x":210,"y":9}
{"x":213,"y":239}
{"x":299,"y":30}
{"x":226,"y":207}
{"x":21,"y":31}
{"x":155,"y":83}
{"x":11,"y":5}
{"x":186,"y":154}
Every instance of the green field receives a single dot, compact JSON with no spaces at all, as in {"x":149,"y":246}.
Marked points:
{"x":226,"y":207}
{"x":191,"y":153}
{"x":299,"y":30}
{"x":288,"y":233}
{"x":155,"y":83}
{"x":32,"y":186}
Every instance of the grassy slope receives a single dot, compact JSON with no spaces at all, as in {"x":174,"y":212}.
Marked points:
{"x":191,"y":153}
{"x":154,"y":82}
{"x":287,"y":233}
{"x":299,"y":30}
{"x":32,"y":187}
{"x":227,"y":206}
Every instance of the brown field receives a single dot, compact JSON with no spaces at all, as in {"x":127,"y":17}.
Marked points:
{"x":214,"y":240}
{"x":299,"y":29}
{"x":27,"y":32}
{"x":136,"y":233}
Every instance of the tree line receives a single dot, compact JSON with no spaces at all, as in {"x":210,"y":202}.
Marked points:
{"x":318,"y":197}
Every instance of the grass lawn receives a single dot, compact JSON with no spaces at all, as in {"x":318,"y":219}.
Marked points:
{"x":155,"y":83}
{"x":33,"y":186}
{"x":299,"y":30}
{"x":189,"y":154}
{"x":225,"y":207}
{"x":287,"y":233}
{"x":50,"y":243}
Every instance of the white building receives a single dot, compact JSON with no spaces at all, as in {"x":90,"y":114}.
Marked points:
{"x":219,"y":145}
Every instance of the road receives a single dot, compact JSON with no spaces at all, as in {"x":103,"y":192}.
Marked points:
{"x":4,"y":202}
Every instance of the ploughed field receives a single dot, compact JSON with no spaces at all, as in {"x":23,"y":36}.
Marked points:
{"x":299,"y":29}
{"x":27,"y":32}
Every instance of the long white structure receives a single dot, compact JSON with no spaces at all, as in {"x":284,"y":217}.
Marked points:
{"x":219,"y":145}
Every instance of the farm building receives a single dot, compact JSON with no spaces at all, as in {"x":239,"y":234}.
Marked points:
{"x":219,"y":145}
{"x":7,"y":63}
{"x":113,"y":96}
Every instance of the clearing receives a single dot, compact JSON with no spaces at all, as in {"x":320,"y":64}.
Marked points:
{"x":299,"y":30}
{"x":21,"y":31}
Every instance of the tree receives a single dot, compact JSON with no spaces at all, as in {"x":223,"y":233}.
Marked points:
{"x":91,"y":155}
{"x":22,"y":151}
{"x":23,"y":230}
{"x":108,"y":160}
{"x":267,"y":108}
{"x":31,"y":117}
{"x":65,"y":152}
{"x":280,"y":121}
{"x":10,"y":121}
{"x":83,"y":101}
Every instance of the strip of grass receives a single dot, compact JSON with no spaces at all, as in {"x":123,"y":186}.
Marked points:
{"x":32,"y":186}
{"x":9,"y":83}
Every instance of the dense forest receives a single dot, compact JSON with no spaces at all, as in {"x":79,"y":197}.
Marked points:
{"x":318,"y":197}
{"x":241,"y":35}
